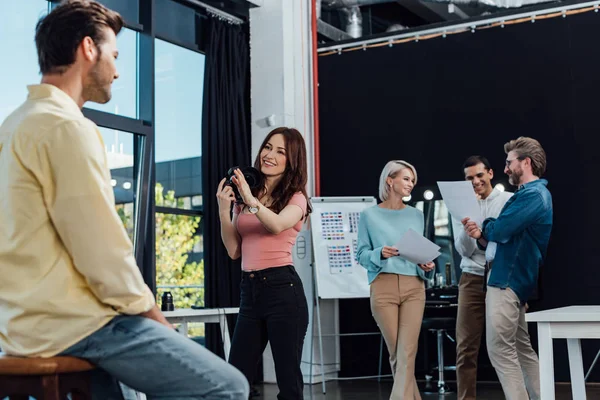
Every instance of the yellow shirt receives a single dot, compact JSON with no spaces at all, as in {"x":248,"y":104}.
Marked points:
{"x":66,"y":263}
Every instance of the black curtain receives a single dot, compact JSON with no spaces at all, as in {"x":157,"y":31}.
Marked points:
{"x":435,"y":102}
{"x":226,"y":142}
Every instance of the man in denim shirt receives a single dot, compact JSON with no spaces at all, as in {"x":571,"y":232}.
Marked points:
{"x":521,"y":231}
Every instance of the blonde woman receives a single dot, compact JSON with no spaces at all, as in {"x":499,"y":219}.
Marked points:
{"x":397,"y":285}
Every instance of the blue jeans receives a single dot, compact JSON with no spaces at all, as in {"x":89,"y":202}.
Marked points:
{"x":153,"y":359}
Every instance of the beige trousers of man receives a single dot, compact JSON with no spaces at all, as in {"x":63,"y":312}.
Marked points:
{"x":470,"y":323}
{"x":509,"y":345}
{"x":398,"y":303}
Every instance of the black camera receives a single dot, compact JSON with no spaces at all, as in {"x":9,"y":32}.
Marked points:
{"x":253,"y":177}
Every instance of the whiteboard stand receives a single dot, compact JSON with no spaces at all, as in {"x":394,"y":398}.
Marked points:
{"x":320,"y":339}
{"x":320,"y":333}
{"x":334,"y":222}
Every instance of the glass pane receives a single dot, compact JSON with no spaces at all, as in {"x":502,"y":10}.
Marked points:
{"x":196,"y":331}
{"x":129,"y":9}
{"x":443,"y":238}
{"x":179,"y":256}
{"x":441,"y":219}
{"x":20,"y":65}
{"x":176,"y":22}
{"x":419,"y":205}
{"x":119,"y":152}
{"x":124,"y":89}
{"x":178,"y":139}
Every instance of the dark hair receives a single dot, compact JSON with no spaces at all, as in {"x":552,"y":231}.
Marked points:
{"x":528,"y":147}
{"x":295,"y":177}
{"x":59,"y":34}
{"x":474,"y":160}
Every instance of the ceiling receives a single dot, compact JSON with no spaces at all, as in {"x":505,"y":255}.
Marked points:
{"x":388,"y":16}
{"x":393,"y":16}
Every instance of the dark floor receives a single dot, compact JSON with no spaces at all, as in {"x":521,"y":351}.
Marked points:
{"x":373,"y":390}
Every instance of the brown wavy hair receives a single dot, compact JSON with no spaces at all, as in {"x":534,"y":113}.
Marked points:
{"x":294,"y":177}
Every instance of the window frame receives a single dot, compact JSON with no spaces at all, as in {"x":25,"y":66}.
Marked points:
{"x":143,"y":127}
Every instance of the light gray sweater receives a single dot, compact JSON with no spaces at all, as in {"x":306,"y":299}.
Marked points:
{"x":473,"y":259}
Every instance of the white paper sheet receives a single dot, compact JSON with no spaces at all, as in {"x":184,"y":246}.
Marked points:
{"x":461,"y":200}
{"x":415,"y":248}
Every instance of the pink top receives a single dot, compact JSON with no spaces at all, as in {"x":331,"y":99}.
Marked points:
{"x":262,"y":249}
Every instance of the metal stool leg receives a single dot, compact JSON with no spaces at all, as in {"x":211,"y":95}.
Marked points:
{"x":441,"y":384}
{"x":442,"y":389}
{"x":440,"y":350}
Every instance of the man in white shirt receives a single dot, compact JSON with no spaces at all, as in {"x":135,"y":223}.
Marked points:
{"x":470,"y":321}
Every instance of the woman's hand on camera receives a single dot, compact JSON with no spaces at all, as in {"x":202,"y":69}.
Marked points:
{"x":427,"y":267}
{"x":225,"y":196}
{"x":244,"y":189}
{"x":389,"y":251}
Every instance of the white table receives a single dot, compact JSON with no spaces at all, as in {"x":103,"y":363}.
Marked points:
{"x":571,"y":323}
{"x":214,"y":315}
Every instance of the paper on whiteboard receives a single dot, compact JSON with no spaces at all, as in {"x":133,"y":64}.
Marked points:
{"x":334,"y":231}
{"x":461,"y":200}
{"x":415,"y":248}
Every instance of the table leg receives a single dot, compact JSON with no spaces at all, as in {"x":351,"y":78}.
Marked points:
{"x":225,"y":335}
{"x":546,"y":355}
{"x":183,"y":329}
{"x":576,"y":368}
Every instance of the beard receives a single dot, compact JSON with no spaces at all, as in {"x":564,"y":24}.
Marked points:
{"x":515,"y":177}
{"x":97,"y":88}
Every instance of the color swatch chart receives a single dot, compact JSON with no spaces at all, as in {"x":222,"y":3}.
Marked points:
{"x":353,"y":218}
{"x":332,"y":225}
{"x":340,"y":259}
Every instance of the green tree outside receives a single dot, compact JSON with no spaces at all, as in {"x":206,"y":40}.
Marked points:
{"x":175,"y":239}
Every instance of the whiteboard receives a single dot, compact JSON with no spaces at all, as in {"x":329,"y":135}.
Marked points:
{"x":334,"y":229}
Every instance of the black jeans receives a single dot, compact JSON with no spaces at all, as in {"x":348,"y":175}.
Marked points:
{"x":273,"y":308}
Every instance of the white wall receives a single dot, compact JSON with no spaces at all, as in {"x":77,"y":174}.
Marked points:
{"x":281,"y":86}
{"x":280,"y":69}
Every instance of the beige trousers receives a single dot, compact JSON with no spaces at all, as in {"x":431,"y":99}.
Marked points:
{"x":509,"y":345}
{"x":398,"y":303}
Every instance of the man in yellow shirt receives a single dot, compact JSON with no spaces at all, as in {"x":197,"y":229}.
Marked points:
{"x":70,"y":284}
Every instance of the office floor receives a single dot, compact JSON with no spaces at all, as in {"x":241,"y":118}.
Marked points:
{"x":373,"y":390}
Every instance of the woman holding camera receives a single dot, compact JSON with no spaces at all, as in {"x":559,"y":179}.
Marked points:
{"x":262,"y":232}
{"x":397,"y":285}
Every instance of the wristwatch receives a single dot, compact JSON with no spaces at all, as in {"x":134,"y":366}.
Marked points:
{"x":253,"y":209}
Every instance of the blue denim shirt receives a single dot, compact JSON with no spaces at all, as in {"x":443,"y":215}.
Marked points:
{"x":522,"y":231}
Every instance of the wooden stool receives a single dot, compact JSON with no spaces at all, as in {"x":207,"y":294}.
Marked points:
{"x":44,"y":378}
